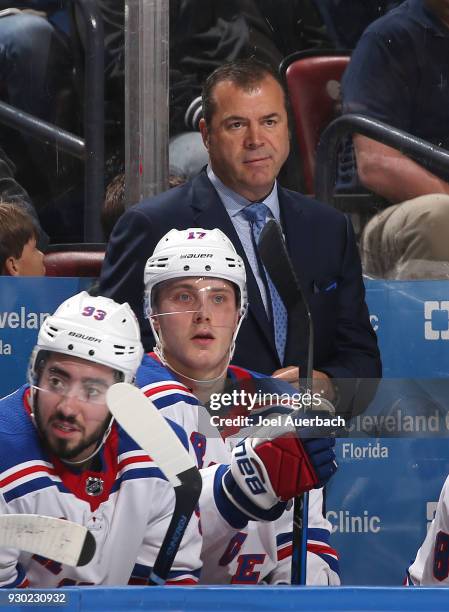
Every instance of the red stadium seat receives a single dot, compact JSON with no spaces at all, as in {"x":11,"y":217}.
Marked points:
{"x":313,"y":84}
{"x":74,"y":260}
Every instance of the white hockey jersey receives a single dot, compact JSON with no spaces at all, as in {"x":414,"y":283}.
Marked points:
{"x":431,"y":566}
{"x":235,"y":553}
{"x":128,"y":519}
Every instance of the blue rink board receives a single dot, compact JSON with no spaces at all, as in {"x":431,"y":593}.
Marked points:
{"x":246,"y":599}
{"x":23,"y":303}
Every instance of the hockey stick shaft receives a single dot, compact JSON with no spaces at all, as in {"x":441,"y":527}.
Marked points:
{"x":277,"y":262}
{"x":140,"y":418}
{"x":186,"y":496}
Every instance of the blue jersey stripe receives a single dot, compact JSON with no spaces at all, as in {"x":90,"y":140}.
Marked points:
{"x":20,"y":578}
{"x":35,"y":484}
{"x":331,"y":561}
{"x":284,"y":538}
{"x":134,"y":473}
{"x":172,"y":398}
{"x":44,"y":482}
{"x":320,"y":535}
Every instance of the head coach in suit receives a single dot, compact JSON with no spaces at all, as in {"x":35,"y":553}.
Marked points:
{"x":245,"y":130}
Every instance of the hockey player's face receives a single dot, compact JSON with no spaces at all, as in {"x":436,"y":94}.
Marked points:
{"x":197,"y":320}
{"x":248,"y":137}
{"x":71,"y":411}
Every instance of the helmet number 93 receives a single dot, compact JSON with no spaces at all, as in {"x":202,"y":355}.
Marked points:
{"x":90,"y":311}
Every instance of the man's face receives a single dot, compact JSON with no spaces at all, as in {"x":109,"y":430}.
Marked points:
{"x":71,"y":411}
{"x":196,"y":330}
{"x":31,"y":261}
{"x":248,"y":139}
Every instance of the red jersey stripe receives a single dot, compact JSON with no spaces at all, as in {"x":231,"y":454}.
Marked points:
{"x":136,"y":459}
{"x":25,"y":472}
{"x":183,"y":581}
{"x":154,"y":390}
{"x":285,"y":552}
{"x":323,"y":549}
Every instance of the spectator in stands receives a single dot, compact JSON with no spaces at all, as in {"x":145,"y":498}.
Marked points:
{"x":12,"y":191}
{"x":346,"y":20}
{"x":34,"y":55}
{"x":36,"y":63}
{"x":36,"y":76}
{"x":399,"y":74}
{"x":114,"y":202}
{"x":19,"y":255}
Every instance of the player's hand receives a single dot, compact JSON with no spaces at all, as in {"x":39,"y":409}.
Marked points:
{"x":282,"y":468}
{"x":267,"y":472}
{"x":321,"y":382}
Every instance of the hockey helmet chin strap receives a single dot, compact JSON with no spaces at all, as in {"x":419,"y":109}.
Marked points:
{"x":158,"y":349}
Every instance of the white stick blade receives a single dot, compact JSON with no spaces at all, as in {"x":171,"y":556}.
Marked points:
{"x":54,"y":538}
{"x":140,"y":418}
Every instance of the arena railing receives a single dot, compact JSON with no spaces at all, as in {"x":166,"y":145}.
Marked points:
{"x":91,"y":148}
{"x":432,"y":157}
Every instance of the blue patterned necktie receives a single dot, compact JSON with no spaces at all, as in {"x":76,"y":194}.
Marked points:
{"x":257,"y":214}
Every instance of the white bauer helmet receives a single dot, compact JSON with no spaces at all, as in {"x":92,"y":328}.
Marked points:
{"x":199,"y":253}
{"x":96,"y":329}
{"x":195,"y":252}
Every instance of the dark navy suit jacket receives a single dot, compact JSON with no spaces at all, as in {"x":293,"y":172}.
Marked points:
{"x":321,"y":245}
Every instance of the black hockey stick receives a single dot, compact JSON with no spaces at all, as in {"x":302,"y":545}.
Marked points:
{"x":277,"y":262}
{"x":140,"y":418}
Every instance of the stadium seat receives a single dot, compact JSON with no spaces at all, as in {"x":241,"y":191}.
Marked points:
{"x":74,"y":260}
{"x":313,"y":85}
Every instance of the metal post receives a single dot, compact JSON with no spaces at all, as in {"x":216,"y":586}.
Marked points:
{"x":146,"y":98}
{"x":93,"y":119}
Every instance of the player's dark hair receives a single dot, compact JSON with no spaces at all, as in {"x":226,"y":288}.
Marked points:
{"x":246,"y":74}
{"x":17,"y":227}
{"x":41,"y":360}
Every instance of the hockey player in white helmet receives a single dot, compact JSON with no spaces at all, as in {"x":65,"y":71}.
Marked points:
{"x":62,"y":455}
{"x":195,"y":299}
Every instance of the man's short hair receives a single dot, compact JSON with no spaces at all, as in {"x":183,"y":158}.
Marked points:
{"x":17,"y":227}
{"x":245,"y":74}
